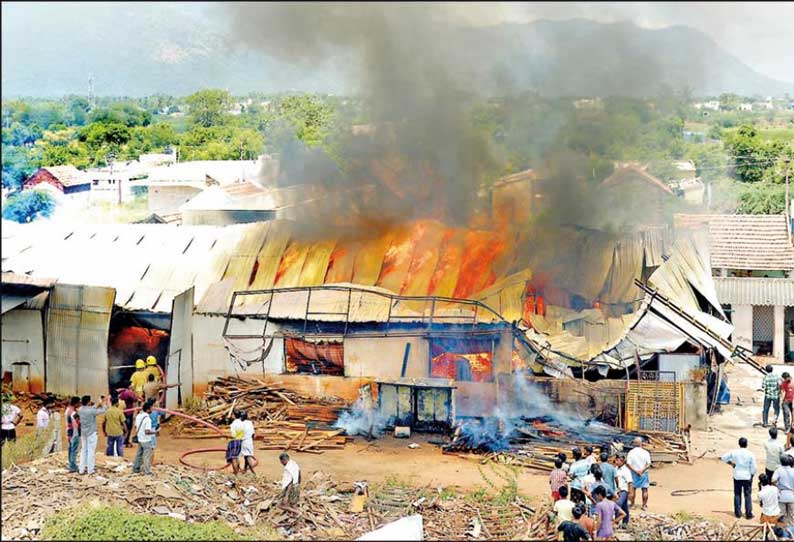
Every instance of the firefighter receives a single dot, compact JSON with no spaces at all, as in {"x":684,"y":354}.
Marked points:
{"x":153,"y":368}
{"x":139,"y":377}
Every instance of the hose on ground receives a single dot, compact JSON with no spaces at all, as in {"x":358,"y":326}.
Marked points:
{"x":687,"y":492}
{"x":206,"y":450}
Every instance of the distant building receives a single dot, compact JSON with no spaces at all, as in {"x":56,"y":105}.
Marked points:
{"x":66,"y":180}
{"x":589,"y":103}
{"x":713,"y":105}
{"x":752,"y":258}
{"x":171,"y":186}
{"x":745,"y":106}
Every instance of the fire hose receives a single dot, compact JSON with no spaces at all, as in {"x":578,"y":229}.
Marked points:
{"x":196,"y":450}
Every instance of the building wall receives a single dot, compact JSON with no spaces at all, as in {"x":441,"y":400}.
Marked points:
{"x":42,"y":176}
{"x":23,"y":342}
{"x":222,"y":217}
{"x":742,"y":320}
{"x":211,"y":359}
{"x":168,"y":199}
{"x":383,"y":357}
{"x":779,"y":339}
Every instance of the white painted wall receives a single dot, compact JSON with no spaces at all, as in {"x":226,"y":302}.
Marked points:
{"x":742,"y":320}
{"x":210,"y":357}
{"x":23,"y":341}
{"x":382,"y":357}
{"x":779,"y":339}
{"x":168,"y":199}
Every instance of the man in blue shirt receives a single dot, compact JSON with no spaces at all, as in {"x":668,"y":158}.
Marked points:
{"x":744,"y":468}
{"x":579,"y":469}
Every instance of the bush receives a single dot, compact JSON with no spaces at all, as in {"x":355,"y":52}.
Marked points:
{"x":25,"y":448}
{"x":28,"y":205}
{"x":117,"y":523}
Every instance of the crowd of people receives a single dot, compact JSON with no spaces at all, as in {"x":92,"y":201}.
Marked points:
{"x":593,"y":494}
{"x":131,"y":416}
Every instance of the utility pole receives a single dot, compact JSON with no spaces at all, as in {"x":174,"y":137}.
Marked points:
{"x":787,"y":210}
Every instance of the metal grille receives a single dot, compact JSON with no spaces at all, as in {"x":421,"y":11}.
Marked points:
{"x":655,"y":403}
{"x":763,"y":323}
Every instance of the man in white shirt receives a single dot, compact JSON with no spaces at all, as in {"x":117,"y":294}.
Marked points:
{"x":784,"y":480}
{"x":43,"y":415}
{"x":48,"y":423}
{"x":623,"y":480}
{"x":11,"y":416}
{"x":638,"y":461}
{"x":144,"y":433}
{"x":744,"y":468}
{"x":774,"y":450}
{"x":290,"y":482}
{"x":235,"y":445}
{"x":769,"y":498}
{"x":247,"y":445}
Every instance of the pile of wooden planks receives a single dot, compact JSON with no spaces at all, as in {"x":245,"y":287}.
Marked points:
{"x":264,"y":401}
{"x":648,"y":526}
{"x":299,"y":437}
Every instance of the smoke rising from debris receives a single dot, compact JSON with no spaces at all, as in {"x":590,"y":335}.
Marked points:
{"x":420,"y":149}
{"x":420,"y":72}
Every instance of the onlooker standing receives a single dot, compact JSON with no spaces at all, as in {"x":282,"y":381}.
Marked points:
{"x":144,"y":433}
{"x":48,"y":422}
{"x":623,"y":482}
{"x":562,"y":510}
{"x":564,"y":458}
{"x":771,"y":385}
{"x":784,"y":480}
{"x":608,"y":472}
{"x":639,"y":461}
{"x":571,"y":529}
{"x":787,"y":397}
{"x":774,"y":450}
{"x":769,"y":497}
{"x":606,"y":513}
{"x":73,"y":432}
{"x":115,"y":427}
{"x":247,"y":444}
{"x":131,"y":401}
{"x":234,"y":447}
{"x":577,"y":472}
{"x":744,"y":468}
{"x":587,"y":523}
{"x":88,"y":432}
{"x":155,"y":417}
{"x":557,"y":479}
{"x":11,"y":416}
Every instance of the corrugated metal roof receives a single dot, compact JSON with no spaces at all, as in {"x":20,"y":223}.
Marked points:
{"x":755,"y":291}
{"x":755,"y":242}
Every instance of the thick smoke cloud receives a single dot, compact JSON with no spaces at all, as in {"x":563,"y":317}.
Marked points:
{"x":421,"y":151}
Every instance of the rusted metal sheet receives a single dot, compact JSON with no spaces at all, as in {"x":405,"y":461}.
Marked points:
{"x":341,"y":261}
{"x":289,"y":269}
{"x":445,"y":276}
{"x":316,"y":264}
{"x":78,"y":321}
{"x":269,"y":257}
{"x":424,"y":260}
{"x":369,"y":260}
{"x":397,"y":258}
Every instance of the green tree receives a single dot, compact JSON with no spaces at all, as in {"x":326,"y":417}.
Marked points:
{"x":209,"y":107}
{"x":752,"y":155}
{"x":28,"y":205}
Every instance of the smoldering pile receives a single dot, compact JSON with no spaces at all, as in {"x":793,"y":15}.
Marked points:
{"x":535,"y":442}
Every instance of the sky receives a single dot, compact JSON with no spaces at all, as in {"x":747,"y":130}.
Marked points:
{"x":761,"y":34}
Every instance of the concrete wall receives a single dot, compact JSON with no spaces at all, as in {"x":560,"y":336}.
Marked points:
{"x":167,"y":199}
{"x":742,"y":320}
{"x":23,"y":342}
{"x":383,"y":357}
{"x":211,"y":359}
{"x":779,"y":339}
{"x":695,"y":398}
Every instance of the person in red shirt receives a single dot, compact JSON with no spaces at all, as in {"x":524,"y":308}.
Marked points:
{"x":787,"y":393}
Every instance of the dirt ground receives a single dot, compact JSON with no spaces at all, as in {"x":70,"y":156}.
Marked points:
{"x":426,"y":466}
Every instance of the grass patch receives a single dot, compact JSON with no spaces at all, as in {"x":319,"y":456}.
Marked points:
{"x":683,"y":517}
{"x":393,"y":480}
{"x":117,"y":523}
{"x":25,"y":448}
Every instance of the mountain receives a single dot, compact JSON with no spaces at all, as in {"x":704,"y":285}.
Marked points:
{"x":50,"y":49}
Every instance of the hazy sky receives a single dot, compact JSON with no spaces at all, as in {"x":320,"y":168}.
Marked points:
{"x":761,"y":34}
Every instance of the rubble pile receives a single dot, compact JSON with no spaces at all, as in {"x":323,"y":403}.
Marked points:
{"x":535,"y":442}
{"x":283,"y":419}
{"x":647,"y":526}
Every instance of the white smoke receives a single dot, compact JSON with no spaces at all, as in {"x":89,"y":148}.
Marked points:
{"x":361,"y":419}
